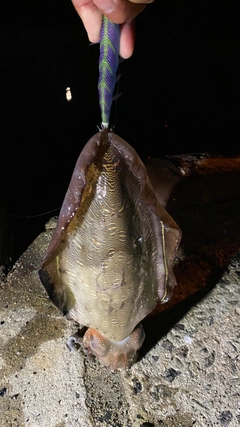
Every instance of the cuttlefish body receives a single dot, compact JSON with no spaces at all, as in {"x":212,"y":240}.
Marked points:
{"x":110,"y":258}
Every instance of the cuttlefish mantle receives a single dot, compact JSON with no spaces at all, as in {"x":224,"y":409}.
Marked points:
{"x":110,"y":260}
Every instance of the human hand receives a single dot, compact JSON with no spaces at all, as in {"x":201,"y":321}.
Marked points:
{"x":119,"y":11}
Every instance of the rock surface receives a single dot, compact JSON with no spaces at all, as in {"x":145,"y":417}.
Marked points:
{"x":187,"y":373}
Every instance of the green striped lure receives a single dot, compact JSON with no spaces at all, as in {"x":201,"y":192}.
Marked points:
{"x":108,"y":64}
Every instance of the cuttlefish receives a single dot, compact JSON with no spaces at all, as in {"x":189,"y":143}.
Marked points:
{"x":110,"y":260}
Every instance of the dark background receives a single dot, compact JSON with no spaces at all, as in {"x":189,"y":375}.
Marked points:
{"x":179,"y":94}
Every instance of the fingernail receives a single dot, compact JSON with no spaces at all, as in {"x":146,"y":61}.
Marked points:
{"x":106,"y":6}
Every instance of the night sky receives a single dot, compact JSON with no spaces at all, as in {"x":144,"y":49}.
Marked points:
{"x":179,"y":94}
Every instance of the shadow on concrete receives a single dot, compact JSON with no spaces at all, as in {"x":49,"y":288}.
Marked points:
{"x":206,"y":206}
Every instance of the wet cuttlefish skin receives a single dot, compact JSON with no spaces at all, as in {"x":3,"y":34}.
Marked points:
{"x":110,"y":258}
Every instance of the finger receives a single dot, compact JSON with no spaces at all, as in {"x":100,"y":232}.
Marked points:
{"x":127,"y":39}
{"x":119,"y":11}
{"x":91,"y":18}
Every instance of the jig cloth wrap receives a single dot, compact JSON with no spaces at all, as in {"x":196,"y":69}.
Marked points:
{"x":108,"y":64}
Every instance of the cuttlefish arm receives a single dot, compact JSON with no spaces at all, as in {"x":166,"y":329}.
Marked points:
{"x":110,"y":279}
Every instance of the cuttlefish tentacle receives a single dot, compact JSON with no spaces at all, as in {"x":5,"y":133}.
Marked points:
{"x":112,"y":354}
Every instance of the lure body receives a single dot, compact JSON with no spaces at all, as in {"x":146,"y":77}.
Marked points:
{"x":108,"y":64}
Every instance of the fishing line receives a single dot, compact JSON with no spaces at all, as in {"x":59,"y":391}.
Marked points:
{"x":29,"y":216}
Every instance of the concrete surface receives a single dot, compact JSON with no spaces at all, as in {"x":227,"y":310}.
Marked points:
{"x":188,"y":368}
